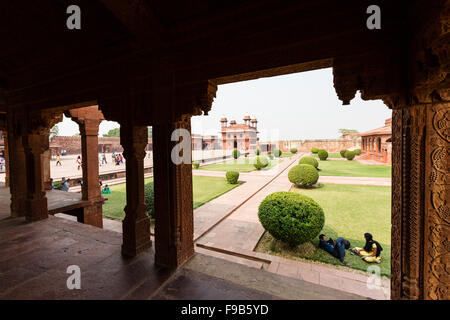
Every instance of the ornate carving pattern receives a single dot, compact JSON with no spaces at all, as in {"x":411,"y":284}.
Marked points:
{"x":437,"y":224}
{"x":396,"y":229}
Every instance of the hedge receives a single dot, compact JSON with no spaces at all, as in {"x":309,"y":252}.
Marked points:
{"x":277,"y":153}
{"x":196,"y":164}
{"x":357,"y":151}
{"x":236,"y":153}
{"x":303,"y":175}
{"x":257,"y":152}
{"x":149,"y":194}
{"x":309,"y":160}
{"x":261,"y":162}
{"x":314,"y":150}
{"x":294,"y":150}
{"x":350,"y":154}
{"x":232,"y":177}
{"x":342,"y":152}
{"x":291,"y":217}
{"x":323,"y":154}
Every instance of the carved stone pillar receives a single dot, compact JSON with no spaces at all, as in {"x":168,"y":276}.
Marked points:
{"x":88,"y":120}
{"x":136,"y":225}
{"x":437,"y":202}
{"x":35,"y":144}
{"x":420,"y":255}
{"x":6,"y":152}
{"x":174,"y":229}
{"x":17,"y":174}
{"x":47,"y":178}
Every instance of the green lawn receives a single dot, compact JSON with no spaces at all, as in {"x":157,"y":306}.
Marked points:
{"x":205,"y":190}
{"x":239,"y":165}
{"x":352,"y":169}
{"x":350,"y":211}
{"x":286,"y":155}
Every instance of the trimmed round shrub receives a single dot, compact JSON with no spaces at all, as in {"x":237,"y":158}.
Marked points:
{"x":342,"y":152}
{"x":277,"y":153}
{"x":314,"y":150}
{"x":236,"y":153}
{"x":350,"y":154}
{"x":323,"y":154}
{"x":291,"y":217}
{"x":196,"y":164}
{"x":309,"y":160}
{"x":261,"y":162}
{"x":293,"y":150}
{"x":257,"y":152}
{"x":270,"y":156}
{"x":303,"y":175}
{"x":357,"y":152}
{"x":149,"y":194}
{"x":232,"y":177}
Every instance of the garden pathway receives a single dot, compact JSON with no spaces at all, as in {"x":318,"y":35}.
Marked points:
{"x":235,"y":234}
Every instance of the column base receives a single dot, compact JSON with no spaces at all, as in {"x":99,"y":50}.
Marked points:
{"x":36,"y":209}
{"x":92,"y":215}
{"x":173,"y":258}
{"x":136,"y":236}
{"x":18,"y":206}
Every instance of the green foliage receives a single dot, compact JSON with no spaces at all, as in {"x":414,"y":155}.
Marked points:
{"x":323,"y":154}
{"x":236,"y":153}
{"x":309,"y":160}
{"x":342,"y":152}
{"x":149,"y":194}
{"x":291,"y":217}
{"x":195,"y":164}
{"x":357,"y":151}
{"x":232,"y":177}
{"x":293,"y":150}
{"x":270,"y":156}
{"x":261,"y":162}
{"x":314,"y":150}
{"x":257,"y":152}
{"x":277,"y":153}
{"x":303,"y":175}
{"x":350,"y":154}
{"x":150,"y":132}
{"x":113,"y":133}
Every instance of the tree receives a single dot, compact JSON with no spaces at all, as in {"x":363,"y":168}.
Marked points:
{"x":342,"y":131}
{"x":113,"y":133}
{"x":150,"y":132}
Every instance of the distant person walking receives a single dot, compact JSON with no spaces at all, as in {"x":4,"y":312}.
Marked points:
{"x":104,"y":159}
{"x":58,"y":160}
{"x":78,"y":161}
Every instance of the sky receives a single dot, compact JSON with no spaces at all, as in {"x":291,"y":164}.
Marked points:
{"x":290,"y":107}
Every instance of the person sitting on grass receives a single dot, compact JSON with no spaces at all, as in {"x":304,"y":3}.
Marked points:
{"x":106,"y":189}
{"x":371,"y":251}
{"x":335,"y":248}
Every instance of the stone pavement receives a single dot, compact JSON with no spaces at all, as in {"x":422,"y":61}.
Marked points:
{"x":364,"y":181}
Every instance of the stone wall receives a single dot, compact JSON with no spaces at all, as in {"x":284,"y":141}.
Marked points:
{"x":105,"y":144}
{"x":331,"y":145}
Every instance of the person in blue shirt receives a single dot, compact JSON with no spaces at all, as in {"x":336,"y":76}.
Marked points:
{"x":335,"y":248}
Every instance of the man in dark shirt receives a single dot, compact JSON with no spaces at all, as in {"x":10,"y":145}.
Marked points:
{"x":335,"y":248}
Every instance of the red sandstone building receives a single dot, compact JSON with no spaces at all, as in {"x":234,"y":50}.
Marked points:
{"x":376,"y":144}
{"x":243,"y":137}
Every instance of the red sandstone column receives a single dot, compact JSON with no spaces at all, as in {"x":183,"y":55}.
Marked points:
{"x":174,"y":229}
{"x":136,"y":225}
{"x":17,"y":173}
{"x":47,"y":178}
{"x":35,"y":145}
{"x":90,"y":190}
{"x":6,"y":152}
